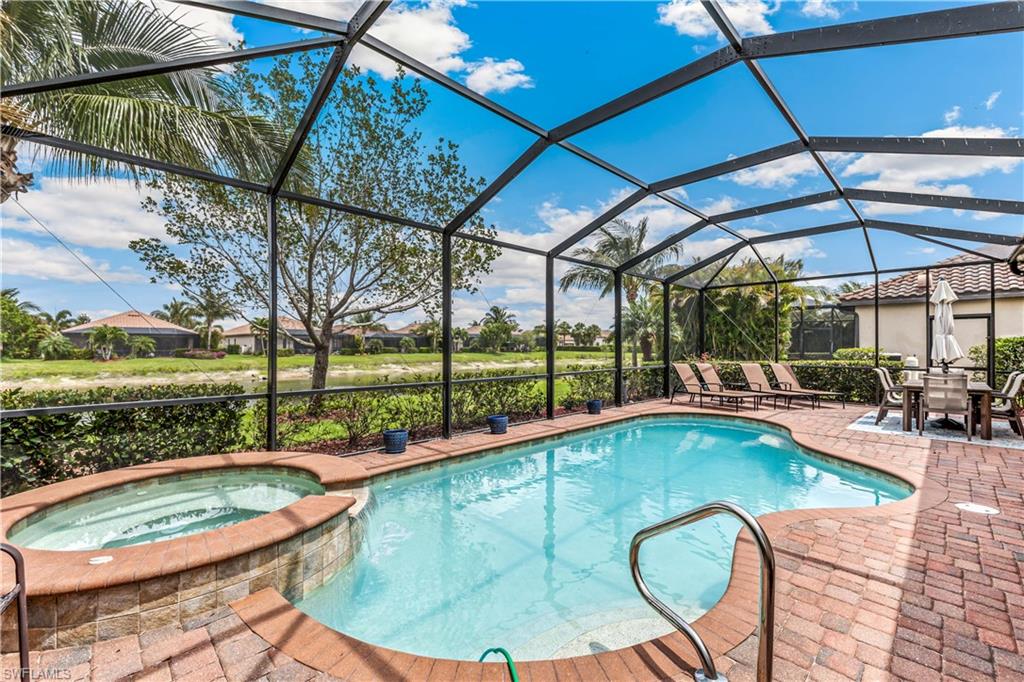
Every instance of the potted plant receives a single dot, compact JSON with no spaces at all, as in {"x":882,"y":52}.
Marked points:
{"x":498,"y":423}
{"x":395,"y":441}
{"x":594,"y":406}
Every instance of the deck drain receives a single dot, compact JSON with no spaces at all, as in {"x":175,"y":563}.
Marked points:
{"x":975,"y":508}
{"x":97,"y":560}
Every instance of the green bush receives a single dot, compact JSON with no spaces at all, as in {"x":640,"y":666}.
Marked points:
{"x":374,"y":346}
{"x":589,"y":386}
{"x":643,"y":384}
{"x":46,"y":449}
{"x":285,"y":352}
{"x":344,"y":422}
{"x":1009,"y":355}
{"x":407,"y":345}
{"x":855,"y":354}
{"x":233,"y":349}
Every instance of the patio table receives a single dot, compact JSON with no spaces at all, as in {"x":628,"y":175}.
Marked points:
{"x":977,"y":390}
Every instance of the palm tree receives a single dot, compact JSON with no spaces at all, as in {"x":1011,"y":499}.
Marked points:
{"x":56,"y":346}
{"x":13,"y":293}
{"x":105,"y":338}
{"x":210,"y":307}
{"x":60,"y":320}
{"x":562,"y":330}
{"x":618,"y":241}
{"x":641,"y":324}
{"x":260,"y":327}
{"x":191,"y":118}
{"x":178,"y":312}
{"x":498,"y":314}
{"x":367,"y":322}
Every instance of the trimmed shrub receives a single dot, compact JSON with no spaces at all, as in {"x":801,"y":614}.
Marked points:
{"x":233,"y":349}
{"x":285,"y":352}
{"x":584,"y":387}
{"x":39,"y":450}
{"x":374,"y":346}
{"x":407,"y":345}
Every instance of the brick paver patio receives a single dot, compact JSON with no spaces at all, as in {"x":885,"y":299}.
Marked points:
{"x":928,"y":594}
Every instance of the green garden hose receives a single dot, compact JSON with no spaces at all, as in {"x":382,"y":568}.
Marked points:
{"x":508,"y":659}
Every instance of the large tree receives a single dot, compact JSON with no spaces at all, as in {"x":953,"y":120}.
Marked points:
{"x":365,"y":150}
{"x":617,"y":242}
{"x":188,"y":117}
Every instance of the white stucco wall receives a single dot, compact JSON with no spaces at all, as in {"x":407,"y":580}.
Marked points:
{"x":902,"y":326}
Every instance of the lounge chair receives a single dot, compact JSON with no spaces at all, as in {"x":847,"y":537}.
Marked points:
{"x":691,"y":385}
{"x":757,"y":380}
{"x":892,"y":397}
{"x":715,"y":383}
{"x":786,"y":377}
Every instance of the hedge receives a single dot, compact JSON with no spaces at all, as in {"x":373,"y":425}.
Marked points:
{"x":39,"y":450}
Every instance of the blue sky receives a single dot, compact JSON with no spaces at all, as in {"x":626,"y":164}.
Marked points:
{"x":552,"y":61}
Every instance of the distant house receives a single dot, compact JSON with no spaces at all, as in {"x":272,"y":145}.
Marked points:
{"x":903,"y":315}
{"x":254,"y":341}
{"x":342,"y":336}
{"x":392,"y":338}
{"x":168,"y":337}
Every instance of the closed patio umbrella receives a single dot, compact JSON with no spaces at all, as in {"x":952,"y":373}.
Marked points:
{"x":945,"y":348}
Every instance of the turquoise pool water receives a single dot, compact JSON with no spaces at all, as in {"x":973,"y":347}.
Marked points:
{"x":163,"y":508}
{"x":529,"y":549}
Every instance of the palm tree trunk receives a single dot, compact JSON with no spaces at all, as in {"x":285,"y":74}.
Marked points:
{"x":11,"y":181}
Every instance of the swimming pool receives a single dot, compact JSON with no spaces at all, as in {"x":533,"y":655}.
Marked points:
{"x":163,"y":508}
{"x":528,"y":549}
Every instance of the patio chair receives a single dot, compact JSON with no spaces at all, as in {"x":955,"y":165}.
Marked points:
{"x":691,"y":385}
{"x":786,"y":377}
{"x":714,"y":383}
{"x":1006,"y":408}
{"x":892,"y":397}
{"x":945,"y":394}
{"x":757,"y":380}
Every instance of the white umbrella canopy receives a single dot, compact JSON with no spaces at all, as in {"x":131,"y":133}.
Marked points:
{"x":945,"y":348}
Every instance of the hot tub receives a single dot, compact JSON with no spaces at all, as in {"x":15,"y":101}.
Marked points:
{"x":163,"y":508}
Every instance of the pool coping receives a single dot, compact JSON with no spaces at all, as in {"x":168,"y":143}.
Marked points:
{"x":726,"y":625}
{"x":51,"y":572}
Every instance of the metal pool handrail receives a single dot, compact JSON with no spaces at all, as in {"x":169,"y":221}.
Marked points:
{"x":767,"y":609}
{"x":18,"y":594}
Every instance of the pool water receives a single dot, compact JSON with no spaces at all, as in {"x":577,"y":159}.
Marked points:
{"x":163,"y":508}
{"x":528,"y":549}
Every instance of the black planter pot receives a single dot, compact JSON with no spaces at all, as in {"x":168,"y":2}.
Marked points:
{"x":395,"y":441}
{"x":498,"y":423}
{"x":594,"y":406}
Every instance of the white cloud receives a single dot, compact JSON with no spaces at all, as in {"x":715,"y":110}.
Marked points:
{"x":429,"y":33}
{"x":494,"y":76}
{"x":778,"y":174}
{"x":25,"y":258}
{"x":689,"y":18}
{"x":217,"y":25}
{"x":822,"y":9}
{"x":104,"y":214}
{"x":799,"y":247}
{"x":991,"y":100}
{"x":723,"y":204}
{"x":952,"y":116}
{"x":928,"y":173}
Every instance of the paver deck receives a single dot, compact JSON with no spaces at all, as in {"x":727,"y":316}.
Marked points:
{"x":919,"y":591}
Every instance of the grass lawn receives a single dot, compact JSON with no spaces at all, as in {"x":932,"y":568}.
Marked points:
{"x":17,"y":370}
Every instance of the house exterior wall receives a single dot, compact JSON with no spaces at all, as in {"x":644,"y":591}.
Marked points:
{"x":903,"y":326}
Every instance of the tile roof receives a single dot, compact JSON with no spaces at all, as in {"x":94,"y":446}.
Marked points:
{"x":966,"y":280}
{"x":131,"y":319}
{"x":289,"y":323}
